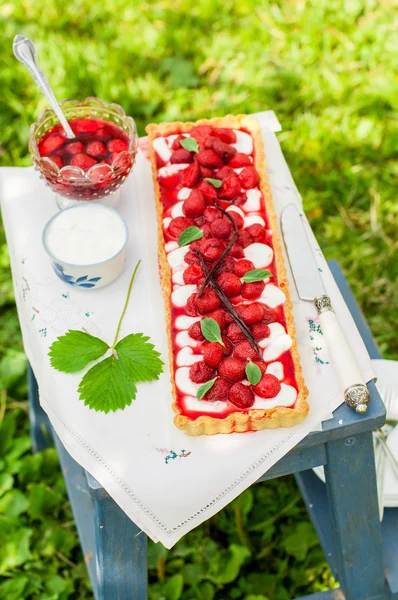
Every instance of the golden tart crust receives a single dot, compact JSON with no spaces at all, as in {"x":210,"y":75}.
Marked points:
{"x":256,"y":419}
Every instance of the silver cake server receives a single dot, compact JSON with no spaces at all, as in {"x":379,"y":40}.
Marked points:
{"x":310,"y":287}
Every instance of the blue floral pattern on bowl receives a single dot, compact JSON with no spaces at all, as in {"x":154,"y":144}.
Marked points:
{"x":83,"y":282}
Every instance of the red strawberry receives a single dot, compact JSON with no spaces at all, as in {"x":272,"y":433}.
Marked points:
{"x":176,"y":145}
{"x":257,"y":232}
{"x":96,"y":149}
{"x":206,"y":172}
{"x":191,"y":258}
{"x":58,"y":160}
{"x":194,"y":246}
{"x":181,"y":156}
{"x":77,"y":148}
{"x":221,"y":228}
{"x":227,"y":266}
{"x":211,"y":213}
{"x":239,"y":200}
{"x":201,"y":132}
{"x":239,"y":160}
{"x":270,"y":315}
{"x":228,"y":318}
{"x":50,"y":144}
{"x":219,"y":317}
{"x":232,"y":369}
{"x":219,"y":391}
{"x":242,"y":267}
{"x":208,"y":302}
{"x":208,"y":190}
{"x":118,"y":145}
{"x":236,"y":251}
{"x":234,"y":333}
{"x":241,"y":396}
{"x":244,"y":350}
{"x":248,"y":178}
{"x":227,"y":348}
{"x":192,"y":274}
{"x":225,"y":151}
{"x":195,"y":332}
{"x":83,"y":161}
{"x":206,"y":229}
{"x":268,"y":386}
{"x":224,"y":172}
{"x":260,"y":331}
{"x":226,"y":135}
{"x":190,"y":307}
{"x":251,"y":313}
{"x":200,"y":372}
{"x":252,"y":291}
{"x":230,"y":284}
{"x":209,"y":158}
{"x":194,"y":205}
{"x":261,"y":365}
{"x":237,"y":218}
{"x":190,"y":175}
{"x":210,"y":141}
{"x":212,"y":354}
{"x":85,"y":126}
{"x":112,"y":157}
{"x":177,"y":226}
{"x":211,"y":248}
{"x":244,"y":238}
{"x":230,"y":187}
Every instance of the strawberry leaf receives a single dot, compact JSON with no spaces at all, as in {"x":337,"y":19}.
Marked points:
{"x":75,"y":350}
{"x":211,"y":330}
{"x":189,"y":235}
{"x":253,"y":373}
{"x":202,"y":391}
{"x":138,"y":358}
{"x":190,"y":144}
{"x":106,"y":388}
{"x":256,"y":275}
{"x":216,"y":182}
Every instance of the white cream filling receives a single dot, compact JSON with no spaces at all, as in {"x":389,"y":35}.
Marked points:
{"x":244,"y":142}
{"x":166,"y":223}
{"x":177,"y":211}
{"x":184,"y":322}
{"x":253,"y":200}
{"x":276,"y":347}
{"x":175,"y":258}
{"x":275,"y":329}
{"x":261,"y":255}
{"x":239,"y":170}
{"x":276,"y":368}
{"x":169,"y":246}
{"x":162,"y":148}
{"x":171,"y":169}
{"x":286,"y":397}
{"x":183,"y":382}
{"x":184,"y":193}
{"x":183,"y":339}
{"x":179,"y":296}
{"x":237,"y":210}
{"x":191,"y":403}
{"x":186,"y":357}
{"x":253,"y":220}
{"x":170,"y":139}
{"x":177,"y":275}
{"x":272,"y":296}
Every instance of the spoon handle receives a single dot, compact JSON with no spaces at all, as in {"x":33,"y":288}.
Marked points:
{"x":25,"y":52}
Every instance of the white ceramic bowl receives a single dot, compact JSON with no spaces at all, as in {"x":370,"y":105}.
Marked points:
{"x":87,"y":245}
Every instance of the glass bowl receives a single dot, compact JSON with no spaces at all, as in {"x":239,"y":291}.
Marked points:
{"x":71,"y":183}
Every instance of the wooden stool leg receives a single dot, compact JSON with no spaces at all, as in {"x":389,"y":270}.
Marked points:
{"x":122,"y":566}
{"x":351,"y":488}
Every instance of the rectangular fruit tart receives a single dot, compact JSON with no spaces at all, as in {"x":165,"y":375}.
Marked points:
{"x":234,"y":361}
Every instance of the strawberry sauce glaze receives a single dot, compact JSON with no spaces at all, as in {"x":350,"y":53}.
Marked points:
{"x":171,"y":179}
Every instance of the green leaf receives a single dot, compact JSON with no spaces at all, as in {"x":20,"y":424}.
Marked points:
{"x":226,"y":567}
{"x":256,"y":275}
{"x":189,"y":235}
{"x":211,"y":330}
{"x":13,"y":503}
{"x":12,"y":589}
{"x":190,"y":144}
{"x":105,"y":387}
{"x":43,"y":501}
{"x":253,"y":373}
{"x":300,"y":540}
{"x":73,"y":351}
{"x":216,"y":182}
{"x":6,"y":482}
{"x":138,"y":358}
{"x":7,"y":433}
{"x":14,"y":547}
{"x":12,"y":368}
{"x":205,"y":388}
{"x":174,"y":586}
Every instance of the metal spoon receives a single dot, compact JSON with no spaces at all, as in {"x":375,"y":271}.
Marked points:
{"x":25,"y":52}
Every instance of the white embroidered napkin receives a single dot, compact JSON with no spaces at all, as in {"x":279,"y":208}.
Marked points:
{"x":166,"y":482}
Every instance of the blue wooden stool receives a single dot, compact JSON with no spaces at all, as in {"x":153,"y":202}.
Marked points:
{"x":362,"y":555}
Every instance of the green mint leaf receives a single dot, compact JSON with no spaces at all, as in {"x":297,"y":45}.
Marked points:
{"x":202,"y":391}
{"x":75,"y":350}
{"x":138,"y":358}
{"x":211,"y":330}
{"x":216,"y":182}
{"x":190,"y":144}
{"x":253,"y":373}
{"x":256,"y":275}
{"x":106,"y":387}
{"x":189,"y":235}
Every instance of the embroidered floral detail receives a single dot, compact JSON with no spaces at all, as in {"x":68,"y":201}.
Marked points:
{"x":43,"y":332}
{"x":171,"y":455}
{"x":83,"y":282}
{"x":318,"y":346}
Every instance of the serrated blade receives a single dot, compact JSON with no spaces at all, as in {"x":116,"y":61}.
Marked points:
{"x":301,"y":257}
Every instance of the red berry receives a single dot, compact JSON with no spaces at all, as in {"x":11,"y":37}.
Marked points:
{"x":208,"y":302}
{"x":239,"y":222}
{"x":200,"y":372}
{"x":261,"y":365}
{"x":234,"y":333}
{"x":230,"y":284}
{"x":227,"y":348}
{"x":58,"y":160}
{"x":257,"y":232}
{"x":248,"y":178}
{"x":225,"y":151}
{"x":242,"y":267}
{"x":219,"y":317}
{"x":194,"y":205}
{"x":251,"y":313}
{"x":191,"y":258}
{"x":77,"y":148}
{"x":190,"y":307}
{"x":201,"y":132}
{"x":225,"y":135}
{"x":209,"y":158}
{"x":208,"y":191}
{"x":194,"y":246}
{"x":244,"y":350}
{"x":118,"y":146}
{"x":206,"y":229}
{"x":195,"y":332}
{"x":236,"y":251}
{"x":190,"y":175}
{"x":85,"y":126}
{"x":192,"y":274}
{"x":270,"y":315}
{"x":252,"y":291}
{"x":230,"y":187}
{"x":239,"y":160}
{"x":227,"y":266}
{"x":221,"y":228}
{"x":260,"y":331}
{"x":211,"y":248}
{"x":211,"y":213}
{"x":50,"y":144}
{"x":210,"y":141}
{"x":219,"y":390}
{"x":224,"y":172}
{"x":232,"y":369}
{"x":212,"y":354}
{"x":177,"y":226}
{"x":240,"y":200}
{"x":206,"y":172}
{"x":241,"y":396}
{"x":181,"y":156}
{"x":244,"y":238}
{"x":96,"y":149}
{"x":177,"y":142}
{"x":83,"y":161}
{"x":268,"y":386}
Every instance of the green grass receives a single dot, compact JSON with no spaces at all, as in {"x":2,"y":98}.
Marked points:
{"x":327,"y":69}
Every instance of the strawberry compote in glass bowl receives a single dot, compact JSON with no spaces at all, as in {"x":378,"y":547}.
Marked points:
{"x":93,"y":165}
